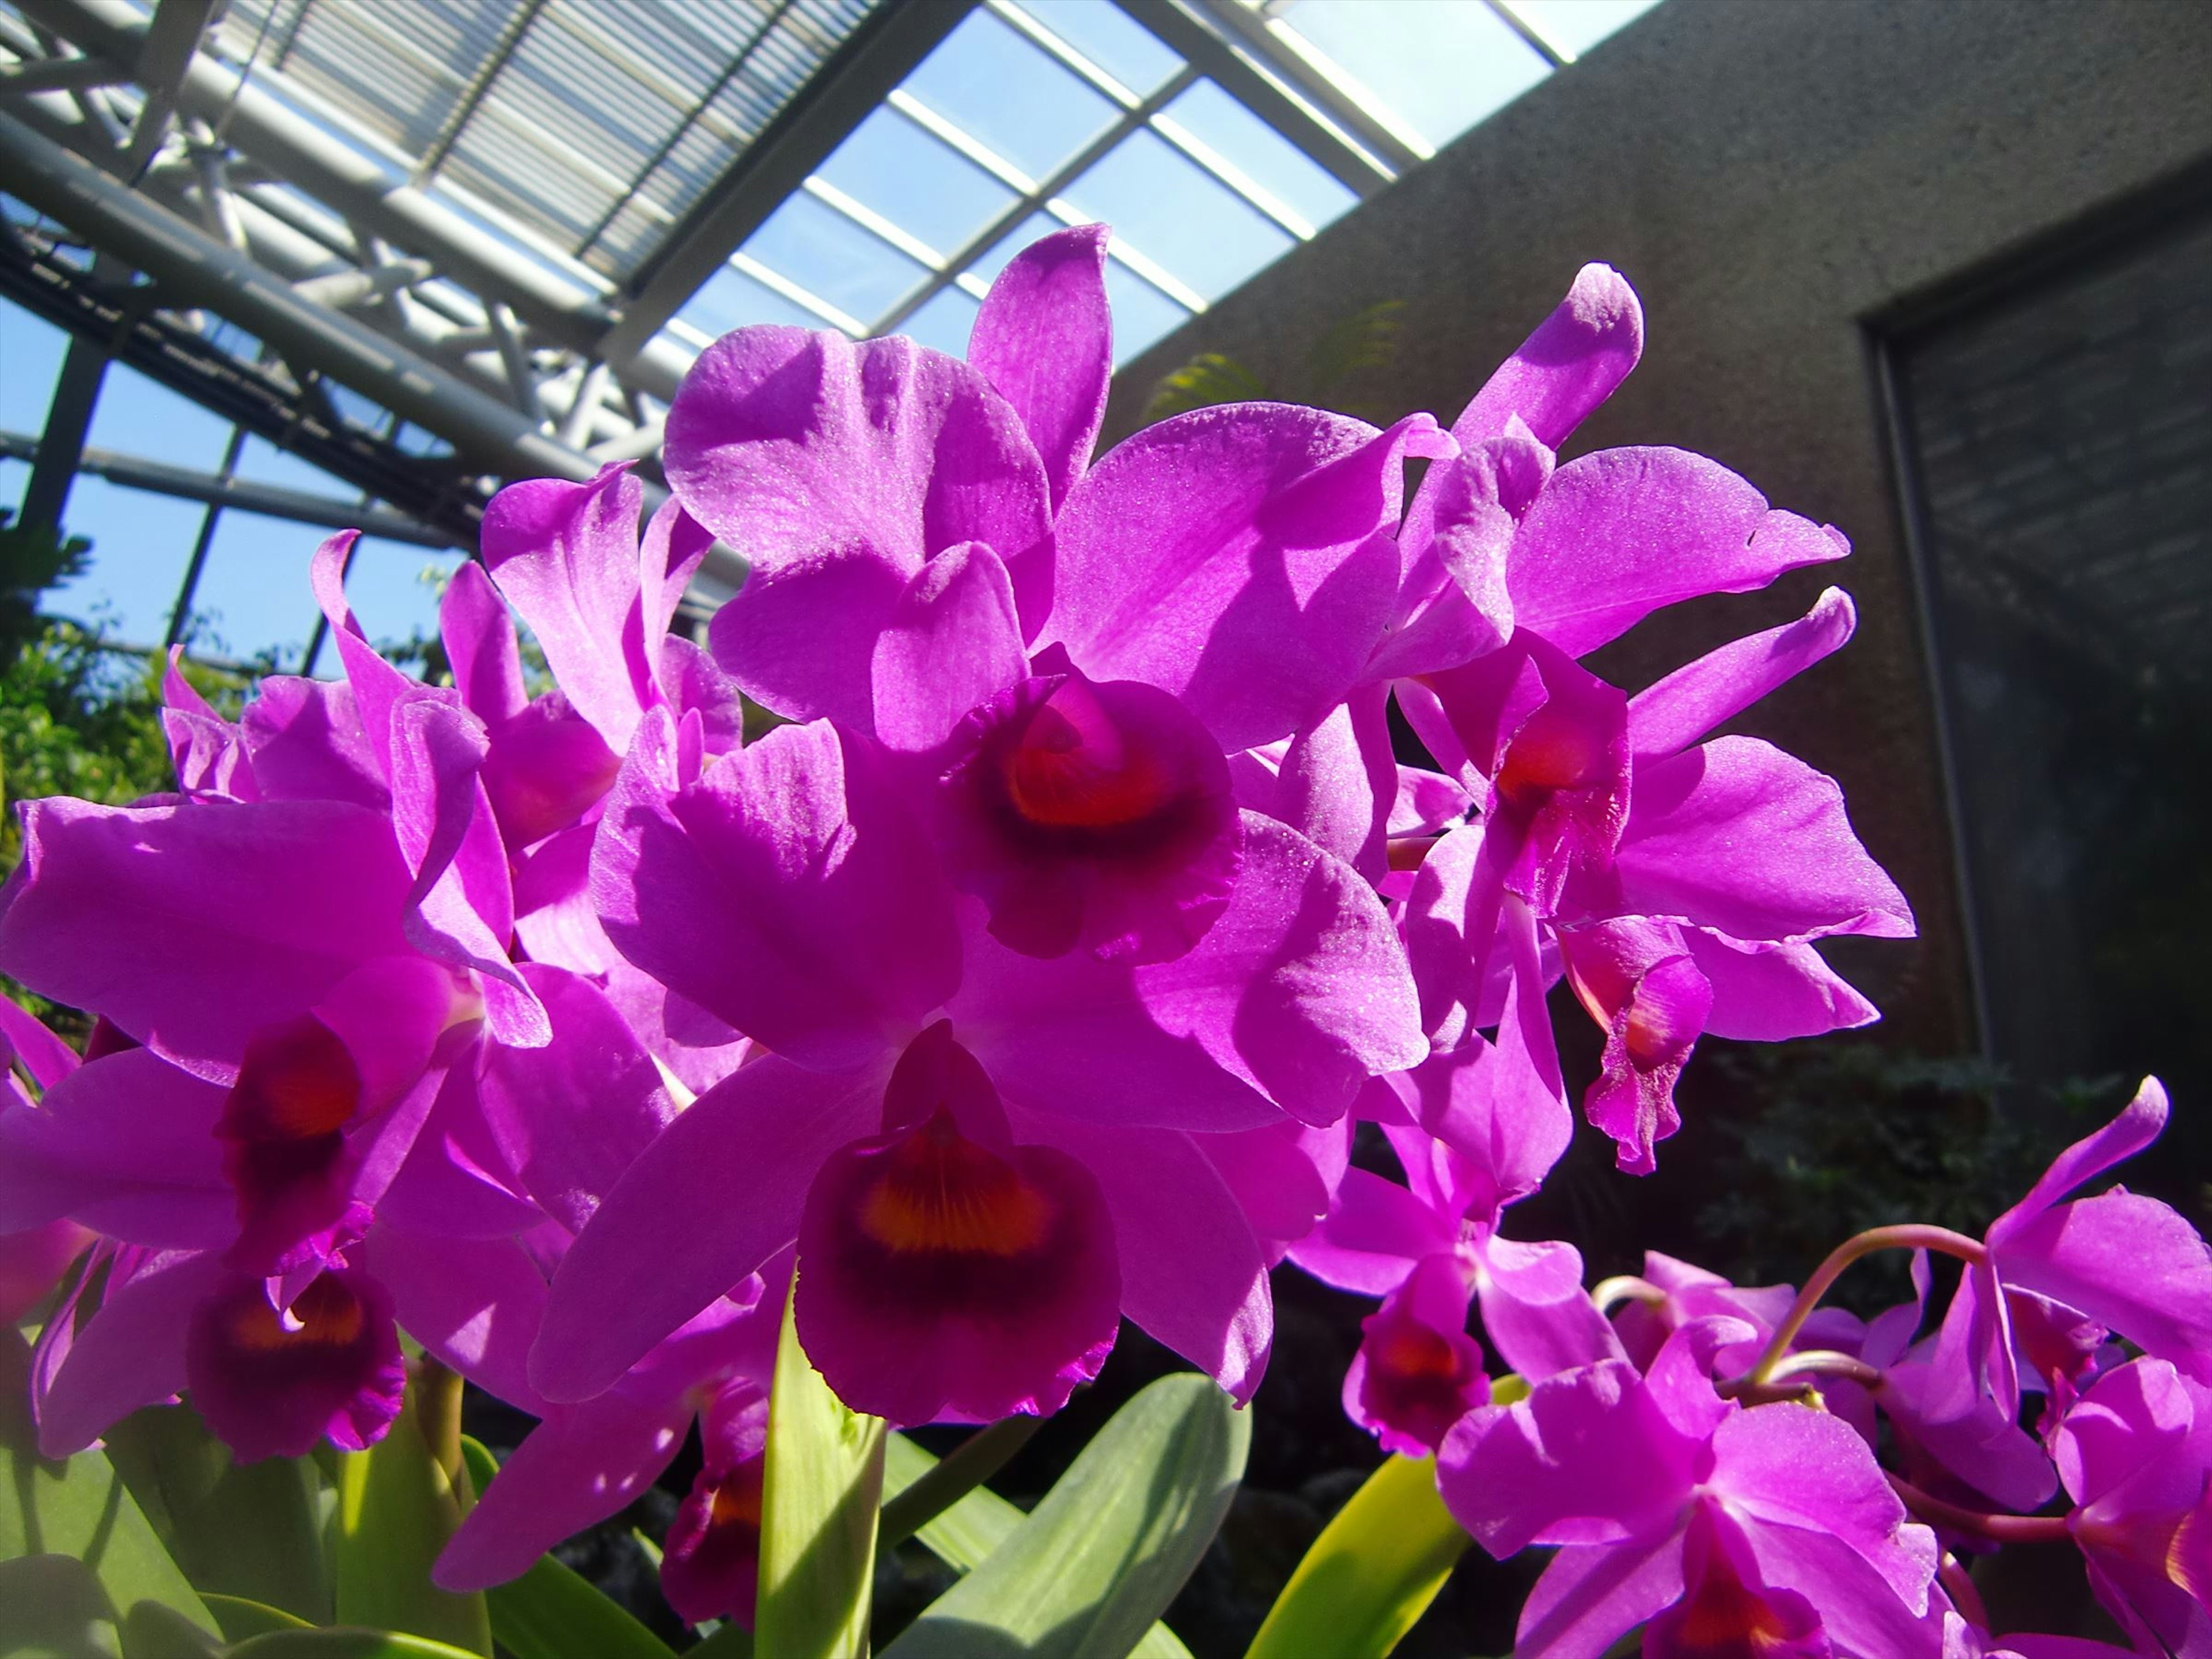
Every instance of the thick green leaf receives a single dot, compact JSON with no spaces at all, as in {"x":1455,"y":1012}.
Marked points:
{"x":964,"y":1535}
{"x":79,"y":1508}
{"x":731,"y":1642}
{"x":52,"y":1608}
{"x":343,"y":1642}
{"x":398,"y":1505}
{"x":1371,"y":1573}
{"x":1086,"y":1575}
{"x":824,"y":1481}
{"x":553,"y":1611}
{"x":151,"y":1630}
{"x":241,"y":1619}
{"x":251,"y":1530}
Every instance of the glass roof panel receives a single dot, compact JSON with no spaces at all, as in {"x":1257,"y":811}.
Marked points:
{"x":1142,"y":314}
{"x":732,"y":299}
{"x":891,"y":165}
{"x":1439,"y":67}
{"x":996,"y":86}
{"x":252,"y":600}
{"x":830,"y":256}
{"x":31,"y":348}
{"x":945,"y":322}
{"x":1191,"y":223}
{"x":140,"y":544}
{"x":1263,"y":154}
{"x":1110,"y":38}
{"x":1578,"y":25}
{"x":139,"y":417}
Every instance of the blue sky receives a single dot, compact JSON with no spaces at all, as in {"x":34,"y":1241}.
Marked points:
{"x":1438,"y":66}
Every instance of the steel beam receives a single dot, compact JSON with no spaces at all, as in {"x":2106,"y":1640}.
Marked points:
{"x":1323,"y":145}
{"x":882,"y":53}
{"x":59,"y":75}
{"x":195,"y":269}
{"x":270,"y":500}
{"x":265,"y":129}
{"x":69,"y":417}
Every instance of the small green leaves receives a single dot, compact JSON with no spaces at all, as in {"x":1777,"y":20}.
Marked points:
{"x":1087,"y":1573}
{"x":398,"y":1505}
{"x":551,"y":1612}
{"x":825,"y":1470}
{"x":79,"y":1508}
{"x":1371,"y":1573}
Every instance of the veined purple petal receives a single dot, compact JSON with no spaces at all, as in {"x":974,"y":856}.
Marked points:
{"x":130,"y":1353}
{"x":712,"y":1566}
{"x":574,"y":1115}
{"x":1592,"y":1596}
{"x":2139,"y":1124}
{"x":952,"y":640}
{"x":1726,"y":1609}
{"x":1640,"y":984}
{"x":125,"y":1145}
{"x":1618,"y":534}
{"x":475,"y":1304}
{"x":1534,"y":1310}
{"x":24,"y":1038}
{"x":1765,"y":993}
{"x":1739,"y":837}
{"x":307,"y":741}
{"x":1373,"y":1234}
{"x":1193,"y":1277}
{"x":838,"y":470}
{"x":1341,"y":787}
{"x":581,"y":1465}
{"x":566,"y":554}
{"x":1239,"y":557}
{"x":481,"y":646}
{"x":272,"y":903}
{"x":1667,"y":718}
{"x":789,"y":892}
{"x":1567,"y":367}
{"x":1045,"y":341}
{"x":728,"y":1178}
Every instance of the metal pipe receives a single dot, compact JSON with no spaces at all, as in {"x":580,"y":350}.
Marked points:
{"x":266,"y":128}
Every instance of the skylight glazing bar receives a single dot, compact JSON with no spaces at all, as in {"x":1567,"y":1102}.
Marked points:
{"x":873,"y":222}
{"x":1295,"y":60}
{"x":1039,"y":35}
{"x":501,"y":54}
{"x":1233,"y":176}
{"x":769,"y":277}
{"x":1551,"y":51}
{"x":1042,"y":198}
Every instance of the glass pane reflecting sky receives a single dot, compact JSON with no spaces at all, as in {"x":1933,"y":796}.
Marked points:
{"x":997,"y":86}
{"x":892,"y":166}
{"x":1191,"y":223}
{"x":1440,"y":66}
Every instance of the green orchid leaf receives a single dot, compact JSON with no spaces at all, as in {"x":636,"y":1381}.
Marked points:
{"x":250,"y":1530}
{"x":1085,"y":1574}
{"x":823,"y":1484}
{"x":552,"y":1612}
{"x":964,"y":1535}
{"x":731,"y":1642}
{"x":344,"y":1642}
{"x":52,"y":1607}
{"x":1371,"y":1573}
{"x":242,"y":1619}
{"x":79,"y":1508}
{"x":151,"y":1630}
{"x":398,"y":1505}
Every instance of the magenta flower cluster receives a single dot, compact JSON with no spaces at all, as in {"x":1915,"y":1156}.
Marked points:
{"x":1033,"y":974}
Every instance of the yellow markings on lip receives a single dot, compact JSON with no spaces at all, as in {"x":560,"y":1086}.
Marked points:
{"x":939,"y":1193}
{"x":330,"y":1315}
{"x":1416,"y":1351}
{"x":298,"y":1081}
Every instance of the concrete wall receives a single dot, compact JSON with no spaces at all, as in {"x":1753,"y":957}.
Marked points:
{"x":1767,"y":173}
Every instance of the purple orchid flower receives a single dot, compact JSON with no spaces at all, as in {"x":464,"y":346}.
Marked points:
{"x":1730,"y":1529}
{"x":2136,"y":1455}
{"x":940,"y":1113}
{"x":1683,"y":886}
{"x":2128,"y":1264}
{"x":1431,"y":1247}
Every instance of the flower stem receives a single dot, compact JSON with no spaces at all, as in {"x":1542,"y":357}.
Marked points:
{"x":1911,"y":1236}
{"x":1997,"y":1528}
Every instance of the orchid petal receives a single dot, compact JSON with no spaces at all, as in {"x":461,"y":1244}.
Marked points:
{"x":481,"y":646}
{"x":1045,"y":341}
{"x":1567,"y":367}
{"x":952,"y":640}
{"x":732,"y":1171}
{"x":1618,"y":534}
{"x":1667,"y":718}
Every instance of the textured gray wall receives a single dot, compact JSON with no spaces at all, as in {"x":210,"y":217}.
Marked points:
{"x":1766,"y":172}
